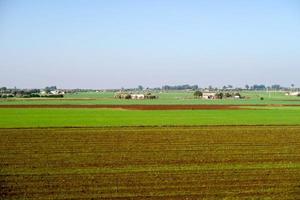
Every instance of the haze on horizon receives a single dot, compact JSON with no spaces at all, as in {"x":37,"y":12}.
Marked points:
{"x":125,"y":43}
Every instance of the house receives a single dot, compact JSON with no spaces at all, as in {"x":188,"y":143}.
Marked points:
{"x":52,"y":93}
{"x":56,"y":92}
{"x":43,"y":92}
{"x":121,"y":95}
{"x":294,"y":93}
{"x":137,"y":96}
{"x":209,"y":95}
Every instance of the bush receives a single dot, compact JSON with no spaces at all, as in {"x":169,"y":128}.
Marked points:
{"x":54,"y":96}
{"x":227,"y":95}
{"x":6,"y":95}
{"x":35,"y":95}
{"x":198,"y":94}
{"x":261,"y":98}
{"x":150,"y":96}
{"x":127,"y":96}
{"x":219,"y":95}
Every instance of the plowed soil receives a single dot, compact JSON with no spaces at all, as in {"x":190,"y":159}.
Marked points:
{"x":146,"y":107}
{"x":151,"y":163}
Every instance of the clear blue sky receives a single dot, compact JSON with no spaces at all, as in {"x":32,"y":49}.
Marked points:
{"x":125,"y":43}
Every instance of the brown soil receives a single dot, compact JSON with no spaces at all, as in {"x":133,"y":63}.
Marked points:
{"x":135,"y":107}
{"x":99,"y":163}
{"x":149,"y":107}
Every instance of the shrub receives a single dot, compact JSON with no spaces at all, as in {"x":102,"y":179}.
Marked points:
{"x":198,"y":94}
{"x":35,"y":95}
{"x":6,"y":95}
{"x":127,"y":96}
{"x":219,"y":95}
{"x":227,"y":95}
{"x":54,"y":96}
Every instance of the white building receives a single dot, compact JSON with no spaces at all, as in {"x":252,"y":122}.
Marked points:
{"x":137,"y":96}
{"x":43,"y":92}
{"x":209,"y":95}
{"x":55,"y":92}
{"x":294,"y":93}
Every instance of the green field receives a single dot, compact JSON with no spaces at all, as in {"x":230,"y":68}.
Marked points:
{"x":171,"y":97}
{"x":61,"y":117}
{"x":246,"y":162}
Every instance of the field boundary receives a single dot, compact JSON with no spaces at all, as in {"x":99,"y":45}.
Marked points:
{"x":155,"y":107}
{"x":157,"y":126}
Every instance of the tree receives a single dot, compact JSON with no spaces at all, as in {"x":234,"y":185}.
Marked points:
{"x":49,"y":89}
{"x":140,"y":87}
{"x":198,"y":94}
{"x":247,"y":87}
{"x":219,"y":95}
{"x":194,"y":87}
{"x":227,"y":95}
{"x":180,"y":87}
{"x":3,"y":89}
{"x":275,"y":87}
{"x":259,"y":87}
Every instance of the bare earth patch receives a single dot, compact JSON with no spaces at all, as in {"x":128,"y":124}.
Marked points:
{"x":152,"y":107}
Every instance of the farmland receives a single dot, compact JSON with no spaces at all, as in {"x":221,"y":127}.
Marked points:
{"x":176,"y":147}
{"x":149,"y":100}
{"x":94,"y":117}
{"x":165,"y":98}
{"x":153,"y":163}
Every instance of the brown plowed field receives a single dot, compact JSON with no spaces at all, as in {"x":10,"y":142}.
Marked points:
{"x":132,"y":107}
{"x":151,"y":163}
{"x":148,"y":107}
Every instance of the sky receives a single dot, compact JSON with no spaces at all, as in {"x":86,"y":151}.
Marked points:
{"x":126,"y":43}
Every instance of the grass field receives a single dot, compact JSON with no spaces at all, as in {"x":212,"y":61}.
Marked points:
{"x":61,"y":117}
{"x":172,"y":97}
{"x":246,"y":162}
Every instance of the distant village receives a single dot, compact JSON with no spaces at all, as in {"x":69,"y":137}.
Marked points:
{"x":48,"y":92}
{"x":151,"y":93}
